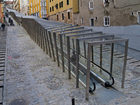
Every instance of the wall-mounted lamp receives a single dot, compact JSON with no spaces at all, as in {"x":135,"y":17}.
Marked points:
{"x":132,"y":14}
{"x":96,"y":18}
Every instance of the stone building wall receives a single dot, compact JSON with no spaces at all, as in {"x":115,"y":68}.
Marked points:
{"x":66,"y":20}
{"x":121,"y":12}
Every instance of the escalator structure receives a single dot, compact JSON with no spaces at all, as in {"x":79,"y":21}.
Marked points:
{"x":87,"y":55}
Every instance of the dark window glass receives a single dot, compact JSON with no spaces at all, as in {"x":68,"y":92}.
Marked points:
{"x":57,"y":17}
{"x":61,"y":4}
{"x":50,"y":9}
{"x":62,"y":16}
{"x":68,"y":2}
{"x":68,"y":15}
{"x":56,"y":6}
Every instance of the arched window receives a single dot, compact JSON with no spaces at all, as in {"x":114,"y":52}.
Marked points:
{"x":91,"y":4}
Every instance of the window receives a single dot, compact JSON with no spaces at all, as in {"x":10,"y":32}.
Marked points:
{"x":107,"y":21}
{"x":61,"y":4}
{"x":62,"y":16}
{"x":50,"y":9}
{"x":50,"y":0}
{"x":44,"y":3}
{"x":68,"y":15}
{"x":56,"y":6}
{"x":138,"y":18}
{"x":91,"y":22}
{"x":57,"y":18}
{"x":68,"y":2}
{"x":91,"y":4}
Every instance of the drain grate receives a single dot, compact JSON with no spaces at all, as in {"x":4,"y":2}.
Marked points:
{"x":54,"y":83}
{"x":18,"y":102}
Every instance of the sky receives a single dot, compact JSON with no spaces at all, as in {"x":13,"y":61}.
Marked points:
{"x":8,"y":0}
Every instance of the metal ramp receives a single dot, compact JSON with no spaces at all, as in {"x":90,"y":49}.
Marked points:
{"x":89,"y":56}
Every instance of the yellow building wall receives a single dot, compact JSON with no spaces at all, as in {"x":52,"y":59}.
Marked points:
{"x":73,"y":4}
{"x":40,"y":9}
{"x":1,"y":12}
{"x":54,"y":2}
{"x":47,"y":7}
{"x":35,"y":7}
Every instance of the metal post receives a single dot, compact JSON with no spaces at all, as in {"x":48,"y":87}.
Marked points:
{"x":92,"y":51}
{"x":49,"y":49}
{"x":77,"y":62}
{"x":68,"y":57}
{"x":125,"y":63}
{"x":62,"y":53}
{"x":51,"y":43}
{"x":43,"y":39}
{"x":85,"y":49}
{"x":111,"y":58}
{"x":45,"y":42}
{"x":73,"y":45}
{"x":88,"y":72}
{"x":56,"y":49}
{"x":101,"y":55}
{"x":41,"y":42}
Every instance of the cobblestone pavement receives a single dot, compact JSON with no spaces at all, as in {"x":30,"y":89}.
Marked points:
{"x":34,"y":79}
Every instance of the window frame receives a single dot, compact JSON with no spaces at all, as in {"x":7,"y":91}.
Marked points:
{"x":82,"y":20}
{"x":91,"y":1}
{"x":108,"y":22}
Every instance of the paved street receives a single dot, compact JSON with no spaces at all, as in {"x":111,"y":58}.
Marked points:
{"x":32,"y":78}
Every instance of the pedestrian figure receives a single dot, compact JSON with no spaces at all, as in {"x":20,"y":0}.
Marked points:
{"x":11,"y":23}
{"x":3,"y":26}
{"x":9,"y":20}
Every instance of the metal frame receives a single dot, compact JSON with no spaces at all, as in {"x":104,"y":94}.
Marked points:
{"x":46,"y":35}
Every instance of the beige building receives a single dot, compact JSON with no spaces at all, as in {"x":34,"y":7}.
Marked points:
{"x":24,"y":4}
{"x":16,"y":5}
{"x":108,"y":12}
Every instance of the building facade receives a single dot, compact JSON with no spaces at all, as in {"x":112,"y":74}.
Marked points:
{"x":38,"y":8}
{"x":62,"y":10}
{"x":16,"y":5}
{"x":24,"y":4}
{"x":43,"y":9}
{"x":1,"y":12}
{"x":108,"y":12}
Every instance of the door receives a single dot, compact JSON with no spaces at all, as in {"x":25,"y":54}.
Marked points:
{"x":92,"y":22}
{"x":138,"y":17}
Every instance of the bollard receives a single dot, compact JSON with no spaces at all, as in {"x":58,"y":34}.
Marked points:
{"x":73,"y":101}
